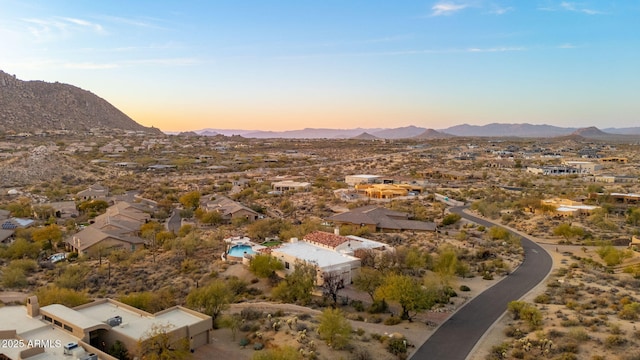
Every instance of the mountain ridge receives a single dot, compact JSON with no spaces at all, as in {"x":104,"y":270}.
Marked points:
{"x":39,"y":106}
{"x":415,"y":132}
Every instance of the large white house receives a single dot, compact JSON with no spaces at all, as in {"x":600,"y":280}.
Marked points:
{"x":331,"y":253}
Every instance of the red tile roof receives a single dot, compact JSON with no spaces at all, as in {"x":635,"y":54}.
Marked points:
{"x":325,"y":238}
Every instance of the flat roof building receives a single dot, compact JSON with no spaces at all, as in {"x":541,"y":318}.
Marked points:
{"x":86,"y":331}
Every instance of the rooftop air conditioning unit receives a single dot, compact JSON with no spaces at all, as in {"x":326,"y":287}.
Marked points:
{"x":114,"y":321}
{"x":69,"y":348}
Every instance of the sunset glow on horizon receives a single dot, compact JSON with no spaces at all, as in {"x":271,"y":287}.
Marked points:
{"x":287,"y":65}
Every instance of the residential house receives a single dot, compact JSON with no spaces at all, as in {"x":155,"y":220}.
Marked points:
{"x":353,"y":180}
{"x":117,"y":228}
{"x":330,"y":253}
{"x":230,"y":209}
{"x":377,"y":218}
{"x":86,"y":332}
{"x":584,"y":167}
{"x":611,"y":179}
{"x":567,"y":207}
{"x":553,"y":170}
{"x":95,"y":191}
{"x":288,"y":185}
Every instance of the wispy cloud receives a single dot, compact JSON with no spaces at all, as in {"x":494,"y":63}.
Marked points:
{"x":572,"y":7}
{"x":87,"y":24}
{"x":499,"y":10}
{"x":569,"y":46}
{"x":50,"y":64}
{"x":142,"y":23}
{"x":495,"y":49}
{"x":408,"y":52}
{"x":447,"y":8}
{"x":58,"y":27}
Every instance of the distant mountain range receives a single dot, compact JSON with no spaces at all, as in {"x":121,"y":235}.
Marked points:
{"x":32,"y":106}
{"x":465,"y":130}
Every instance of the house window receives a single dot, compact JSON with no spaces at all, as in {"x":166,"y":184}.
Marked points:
{"x":286,"y":265}
{"x":68,"y":328}
{"x":57,"y":323}
{"x":47,"y":318}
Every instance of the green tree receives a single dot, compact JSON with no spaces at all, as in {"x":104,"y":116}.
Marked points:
{"x":298,"y":285}
{"x":73,"y":277}
{"x":368,"y":280}
{"x":498,"y":233}
{"x":52,"y":294}
{"x":93,"y":206}
{"x":14,"y":277}
{"x":334,"y":328}
{"x":567,"y":231}
{"x":265,"y":228}
{"x":119,"y":351}
{"x":633,"y":216}
{"x":20,"y":208}
{"x":210,"y":299}
{"x":190,"y":200}
{"x":265,"y":265}
{"x":613,"y":256}
{"x":22,"y":248}
{"x":451,"y":219}
{"x":407,"y":292}
{"x":51,"y":233}
{"x":446,"y":265}
{"x":150,"y":301}
{"x":157,"y":344}
{"x":231,"y":322}
{"x":209,"y":217}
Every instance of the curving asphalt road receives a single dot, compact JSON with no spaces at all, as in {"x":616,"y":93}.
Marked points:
{"x":455,"y":338}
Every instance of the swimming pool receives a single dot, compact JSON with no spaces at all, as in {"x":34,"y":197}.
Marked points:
{"x":240,"y":250}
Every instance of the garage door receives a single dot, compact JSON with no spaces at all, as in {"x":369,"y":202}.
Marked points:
{"x":200,"y":339}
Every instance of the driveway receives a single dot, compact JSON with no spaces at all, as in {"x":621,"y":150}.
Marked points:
{"x":455,"y":338}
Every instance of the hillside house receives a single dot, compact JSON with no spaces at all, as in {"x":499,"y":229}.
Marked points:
{"x":289,"y":185}
{"x":376,"y":218}
{"x":117,"y":228}
{"x":230,"y":209}
{"x":95,"y":191}
{"x":330,"y":253}
{"x":566,"y":207}
{"x":353,"y":180}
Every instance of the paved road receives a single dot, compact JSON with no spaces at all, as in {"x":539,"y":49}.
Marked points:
{"x":458,"y":335}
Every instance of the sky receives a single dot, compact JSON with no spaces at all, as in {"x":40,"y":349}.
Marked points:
{"x":284,"y":65}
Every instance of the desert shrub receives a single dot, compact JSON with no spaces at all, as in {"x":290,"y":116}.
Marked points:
{"x":568,"y":347}
{"x":514,"y":332}
{"x":542,"y":299}
{"x":464,"y":288}
{"x":357,"y":305}
{"x":569,"y":322}
{"x":567,"y":356}
{"x":13,"y":277}
{"x":527,"y":312}
{"x":498,"y":352}
{"x":361,"y":353}
{"x":397,"y":346}
{"x":392,"y":320}
{"x":613,"y":341}
{"x":578,"y":334}
{"x":251,"y":314}
{"x":629,"y":311}
{"x":378,"y":307}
